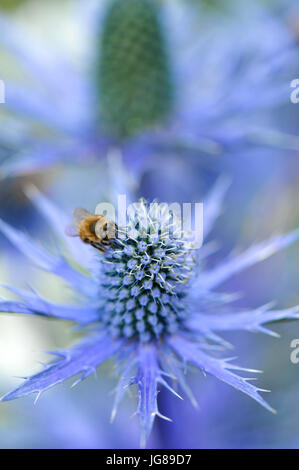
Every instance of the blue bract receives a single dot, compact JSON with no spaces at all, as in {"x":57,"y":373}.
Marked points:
{"x":149,"y":301}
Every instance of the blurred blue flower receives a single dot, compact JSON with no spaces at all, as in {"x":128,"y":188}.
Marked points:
{"x":179,"y":81}
{"x":149,"y":301}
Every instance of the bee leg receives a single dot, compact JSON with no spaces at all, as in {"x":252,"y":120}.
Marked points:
{"x":98,"y":246}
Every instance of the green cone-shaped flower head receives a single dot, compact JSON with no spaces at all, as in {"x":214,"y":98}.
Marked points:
{"x":133,"y":71}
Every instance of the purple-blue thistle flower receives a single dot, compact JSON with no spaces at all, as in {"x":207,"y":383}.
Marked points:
{"x":149,"y":302}
{"x":202,"y":79}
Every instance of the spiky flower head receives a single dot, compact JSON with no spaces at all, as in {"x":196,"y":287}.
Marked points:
{"x":133,"y":70}
{"x":144,"y":279}
{"x":149,"y":302}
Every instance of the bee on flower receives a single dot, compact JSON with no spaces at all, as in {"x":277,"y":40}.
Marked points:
{"x":148,"y":300}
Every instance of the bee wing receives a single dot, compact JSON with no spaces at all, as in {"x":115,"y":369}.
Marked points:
{"x":80,"y":214}
{"x":71,"y":230}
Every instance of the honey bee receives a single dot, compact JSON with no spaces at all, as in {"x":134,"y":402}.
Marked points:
{"x":93,"y":229}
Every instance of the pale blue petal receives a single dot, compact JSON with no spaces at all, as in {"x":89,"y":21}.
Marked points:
{"x":28,"y":247}
{"x":43,"y":154}
{"x":252,"y":320}
{"x":82,"y":359}
{"x":39,"y":60}
{"x":29,"y":103}
{"x":11,"y":306}
{"x":148,"y":378}
{"x":77,"y":314}
{"x":253,"y":255}
{"x":58,"y":221}
{"x":57,"y":76}
{"x":33,"y":303}
{"x":31,"y":161}
{"x":220,"y":368}
{"x":175,"y":371}
{"x":46,"y":260}
{"x":213,"y":204}
{"x":123,"y":384}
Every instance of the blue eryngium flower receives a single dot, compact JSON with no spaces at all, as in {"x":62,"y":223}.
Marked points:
{"x":150,"y":78}
{"x":149,"y":302}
